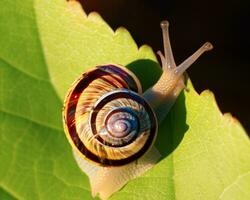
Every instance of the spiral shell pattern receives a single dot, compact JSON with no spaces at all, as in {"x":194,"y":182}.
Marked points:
{"x":107,"y":119}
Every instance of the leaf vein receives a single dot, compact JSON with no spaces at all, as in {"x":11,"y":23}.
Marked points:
{"x":32,"y":120}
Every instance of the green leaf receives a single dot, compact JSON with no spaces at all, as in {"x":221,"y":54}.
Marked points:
{"x":5,"y":195}
{"x":44,"y":46}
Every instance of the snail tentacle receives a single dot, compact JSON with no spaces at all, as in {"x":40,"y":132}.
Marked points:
{"x":163,"y":94}
{"x":168,"y":61}
{"x":163,"y":60}
{"x":190,"y":60}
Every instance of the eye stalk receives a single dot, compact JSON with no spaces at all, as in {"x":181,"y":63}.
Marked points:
{"x":164,"y":93}
{"x":167,"y":60}
{"x":189,"y":61}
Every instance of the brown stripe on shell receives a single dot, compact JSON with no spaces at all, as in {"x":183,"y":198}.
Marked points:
{"x":73,"y":98}
{"x":127,"y":95}
{"x":133,"y":85}
{"x":111,"y":162}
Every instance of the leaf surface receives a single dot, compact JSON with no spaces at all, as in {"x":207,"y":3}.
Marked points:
{"x":44,"y":46}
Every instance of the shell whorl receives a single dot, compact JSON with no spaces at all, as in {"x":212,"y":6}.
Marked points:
{"x":107,"y":119}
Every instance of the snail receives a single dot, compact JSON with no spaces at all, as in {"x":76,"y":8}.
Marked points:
{"x":112,"y":125}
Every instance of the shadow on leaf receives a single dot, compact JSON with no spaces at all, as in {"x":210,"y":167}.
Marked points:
{"x":173,"y":127}
{"x":147,"y":71}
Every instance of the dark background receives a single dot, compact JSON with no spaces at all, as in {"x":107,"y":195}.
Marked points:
{"x":224,"y":70}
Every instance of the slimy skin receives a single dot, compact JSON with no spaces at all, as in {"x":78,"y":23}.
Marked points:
{"x":163,"y":94}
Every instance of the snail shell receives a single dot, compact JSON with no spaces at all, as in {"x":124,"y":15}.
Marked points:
{"x":112,"y":126}
{"x":107,"y":119}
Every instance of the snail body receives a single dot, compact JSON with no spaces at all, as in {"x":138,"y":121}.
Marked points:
{"x":112,"y":125}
